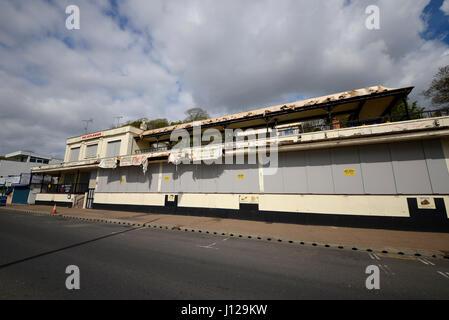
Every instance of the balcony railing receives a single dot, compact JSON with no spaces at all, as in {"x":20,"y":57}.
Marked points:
{"x":73,"y":188}
{"x":323,"y":125}
{"x":149,"y":150}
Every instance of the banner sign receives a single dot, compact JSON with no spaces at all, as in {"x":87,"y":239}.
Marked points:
{"x":108,"y":163}
{"x":133,"y":160}
{"x":92,"y":136}
{"x":207,"y":153}
{"x":177,"y":156}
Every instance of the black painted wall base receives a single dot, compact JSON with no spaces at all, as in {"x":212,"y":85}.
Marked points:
{"x":52,"y":203}
{"x":430,"y":221}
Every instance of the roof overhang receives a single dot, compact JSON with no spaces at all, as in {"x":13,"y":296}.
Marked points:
{"x":365,"y":103}
{"x":63,"y":169}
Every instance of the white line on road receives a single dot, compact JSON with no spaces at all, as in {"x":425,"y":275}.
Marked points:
{"x":210,"y":246}
{"x":384,"y":269}
{"x":388,"y":268}
{"x":373,"y":256}
{"x":426,"y":262}
{"x":446,"y":275}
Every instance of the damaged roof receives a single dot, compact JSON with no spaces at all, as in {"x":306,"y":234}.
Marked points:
{"x":386,"y":98}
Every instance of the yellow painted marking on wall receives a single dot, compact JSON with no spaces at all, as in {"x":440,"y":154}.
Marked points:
{"x":241,"y":176}
{"x":349,"y":172}
{"x":166,"y":178}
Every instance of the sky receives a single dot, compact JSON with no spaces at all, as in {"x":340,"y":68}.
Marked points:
{"x":158,"y":58}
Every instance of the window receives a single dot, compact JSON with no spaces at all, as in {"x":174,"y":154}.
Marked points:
{"x":113,"y":148}
{"x":91,"y":151}
{"x":32,"y":159}
{"x":46,"y":161}
{"x":74,"y":154}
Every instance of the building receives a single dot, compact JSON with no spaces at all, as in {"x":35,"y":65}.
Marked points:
{"x":15,"y":173}
{"x":342,"y":160}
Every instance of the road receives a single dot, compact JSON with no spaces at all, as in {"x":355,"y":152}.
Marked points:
{"x":121,"y":262}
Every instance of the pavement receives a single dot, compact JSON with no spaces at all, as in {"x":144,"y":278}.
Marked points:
{"x":131,"y":262}
{"x":426,"y":244}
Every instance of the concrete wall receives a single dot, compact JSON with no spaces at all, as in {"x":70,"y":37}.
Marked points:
{"x":9,"y":168}
{"x":53,"y":197}
{"x":124,"y":134}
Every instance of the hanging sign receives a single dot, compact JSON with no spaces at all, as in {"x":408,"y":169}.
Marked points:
{"x":108,"y":163}
{"x":207,"y":153}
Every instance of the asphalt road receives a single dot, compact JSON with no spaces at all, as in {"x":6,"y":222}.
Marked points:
{"x":118,"y":262}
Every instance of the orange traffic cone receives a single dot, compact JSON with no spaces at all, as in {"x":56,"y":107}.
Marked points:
{"x":54,"y":209}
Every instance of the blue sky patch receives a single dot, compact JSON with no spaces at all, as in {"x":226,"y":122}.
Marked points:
{"x":437,"y":22}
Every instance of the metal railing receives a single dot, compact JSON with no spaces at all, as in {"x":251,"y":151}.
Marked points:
{"x":149,"y":150}
{"x":323,"y":125}
{"x":73,"y":188}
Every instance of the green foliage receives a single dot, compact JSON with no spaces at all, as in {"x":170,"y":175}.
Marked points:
{"x":439,"y":88}
{"x":193,"y":114}
{"x":196,"y":114}
{"x":157,"y":123}
{"x":135,"y":124}
{"x":415,"y":111}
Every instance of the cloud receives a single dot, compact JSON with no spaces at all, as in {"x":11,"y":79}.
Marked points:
{"x":157,"y":58}
{"x":445,"y":7}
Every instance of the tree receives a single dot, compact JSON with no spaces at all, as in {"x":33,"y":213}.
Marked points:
{"x":439,"y":88}
{"x":135,"y":124}
{"x":414,"y":111}
{"x":196,"y":114}
{"x":152,"y":124}
{"x":157,"y":123}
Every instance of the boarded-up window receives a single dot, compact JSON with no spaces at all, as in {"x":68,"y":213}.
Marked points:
{"x":113,"y":148}
{"x":91,"y":151}
{"x":74,"y":154}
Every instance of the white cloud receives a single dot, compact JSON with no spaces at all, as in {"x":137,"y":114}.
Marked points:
{"x":223,"y":56}
{"x":445,"y":7}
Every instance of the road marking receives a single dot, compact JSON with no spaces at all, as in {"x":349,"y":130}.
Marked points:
{"x":395,"y":256}
{"x":225,"y":239}
{"x":373,"y":256}
{"x":446,"y":275}
{"x":210,"y":246}
{"x":386,"y":269}
{"x":426,"y":262}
